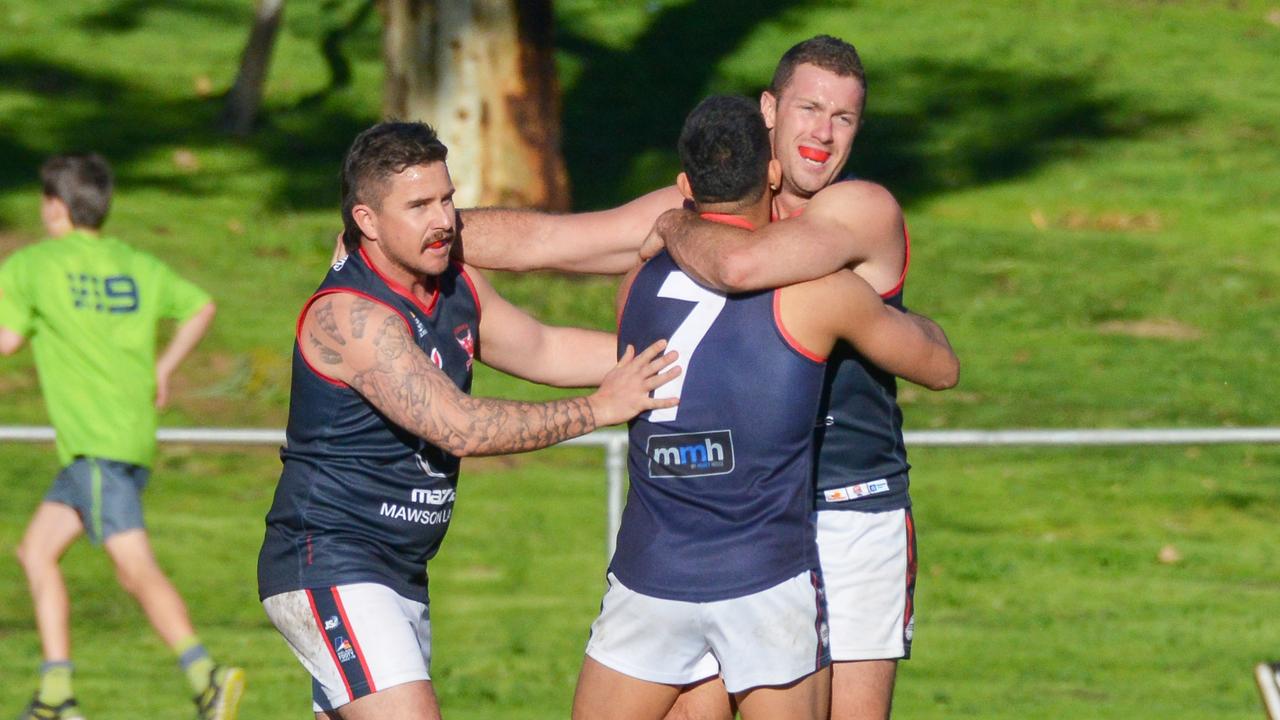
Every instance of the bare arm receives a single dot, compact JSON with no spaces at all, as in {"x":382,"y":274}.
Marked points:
{"x":602,"y":242}
{"x":367,"y":346}
{"x":910,"y":346}
{"x":519,"y":345}
{"x":847,"y":224}
{"x":184,"y":340}
{"x":10,"y":341}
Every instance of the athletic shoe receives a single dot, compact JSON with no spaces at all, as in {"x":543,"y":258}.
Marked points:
{"x":221,"y":699}
{"x":1268,"y":677}
{"x":37,"y":710}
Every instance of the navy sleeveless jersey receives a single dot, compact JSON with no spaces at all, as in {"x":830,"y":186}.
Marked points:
{"x":361,"y":499}
{"x":862,"y":459}
{"x":720,"y":502}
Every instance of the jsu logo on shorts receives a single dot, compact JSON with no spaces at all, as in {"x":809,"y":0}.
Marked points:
{"x":690,"y":454}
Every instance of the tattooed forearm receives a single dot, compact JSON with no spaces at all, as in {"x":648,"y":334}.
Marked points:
{"x":327,"y":354}
{"x":418,"y":396}
{"x":324,"y":316}
{"x":359,"y":316}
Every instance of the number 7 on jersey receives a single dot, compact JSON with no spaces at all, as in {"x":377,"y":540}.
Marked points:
{"x":685,"y":340}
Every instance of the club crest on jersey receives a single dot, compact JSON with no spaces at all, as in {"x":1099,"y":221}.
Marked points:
{"x":463,"y":335}
{"x":690,"y":454}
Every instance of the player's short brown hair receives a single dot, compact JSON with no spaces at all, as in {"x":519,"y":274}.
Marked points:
{"x":376,"y":154}
{"x":83,"y":182}
{"x":824,"y":51}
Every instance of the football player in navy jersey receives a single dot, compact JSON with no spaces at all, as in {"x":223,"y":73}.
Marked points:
{"x":380,"y":413}
{"x":814,"y":107}
{"x":716,"y":552}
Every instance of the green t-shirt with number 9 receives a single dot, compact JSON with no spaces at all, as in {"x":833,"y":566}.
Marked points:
{"x":90,"y":306}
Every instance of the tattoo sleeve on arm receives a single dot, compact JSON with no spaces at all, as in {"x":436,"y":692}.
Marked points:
{"x":360,"y":308}
{"x":324,"y":316}
{"x":327,"y":354}
{"x":405,"y":385}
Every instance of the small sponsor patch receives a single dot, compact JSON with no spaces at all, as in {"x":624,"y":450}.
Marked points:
{"x":331,"y":623}
{"x":345,"y":652}
{"x":853,"y":492}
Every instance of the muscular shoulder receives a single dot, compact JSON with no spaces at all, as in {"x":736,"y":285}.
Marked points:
{"x":855,"y":200}
{"x":867,"y":215}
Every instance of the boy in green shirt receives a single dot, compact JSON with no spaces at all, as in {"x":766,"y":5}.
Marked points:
{"x":90,"y":306}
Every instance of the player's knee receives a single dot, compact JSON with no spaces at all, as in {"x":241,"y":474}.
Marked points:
{"x":30,"y":558}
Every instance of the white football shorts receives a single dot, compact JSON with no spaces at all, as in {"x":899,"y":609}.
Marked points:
{"x":354,"y":639}
{"x":868,"y":562}
{"x":771,"y":637}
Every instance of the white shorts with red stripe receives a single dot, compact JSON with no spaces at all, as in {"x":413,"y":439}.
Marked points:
{"x":354,"y":639}
{"x":868,"y":563}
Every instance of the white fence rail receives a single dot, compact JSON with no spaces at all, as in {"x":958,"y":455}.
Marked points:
{"x":615,"y":444}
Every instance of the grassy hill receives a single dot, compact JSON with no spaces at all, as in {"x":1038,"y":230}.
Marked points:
{"x":1092,"y":190}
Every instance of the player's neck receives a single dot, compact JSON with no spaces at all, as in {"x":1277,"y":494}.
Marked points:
{"x":754,"y":215}
{"x":787,"y":203}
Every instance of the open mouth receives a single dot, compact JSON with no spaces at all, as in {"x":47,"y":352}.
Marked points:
{"x":814,"y":154}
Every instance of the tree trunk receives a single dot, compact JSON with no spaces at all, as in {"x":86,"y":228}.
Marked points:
{"x":245,"y":97}
{"x":482,"y":73}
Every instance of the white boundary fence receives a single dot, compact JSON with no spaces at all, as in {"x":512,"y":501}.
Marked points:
{"x":615,"y":444}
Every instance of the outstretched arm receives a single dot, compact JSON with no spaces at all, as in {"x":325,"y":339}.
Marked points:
{"x":367,"y":346}
{"x":183,"y":342}
{"x":602,"y":242}
{"x":844,"y":225}
{"x":520,"y":345}
{"x":910,"y":346}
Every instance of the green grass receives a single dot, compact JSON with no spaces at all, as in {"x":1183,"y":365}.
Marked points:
{"x":1092,"y":189}
{"x":1041,"y":591}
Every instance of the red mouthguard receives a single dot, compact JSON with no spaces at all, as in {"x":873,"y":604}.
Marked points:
{"x":814,"y":154}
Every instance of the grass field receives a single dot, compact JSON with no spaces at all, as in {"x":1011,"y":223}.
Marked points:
{"x":1093,"y":192}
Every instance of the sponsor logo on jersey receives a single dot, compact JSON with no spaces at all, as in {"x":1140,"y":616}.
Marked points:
{"x":463,"y":335}
{"x":422,"y":329}
{"x":440,"y":496}
{"x":690,"y":454}
{"x":853,"y":492}
{"x":424,"y":464}
{"x":343,"y":648}
{"x":331,"y":623}
{"x":416,"y":515}
{"x":437,"y":358}
{"x":341,"y":261}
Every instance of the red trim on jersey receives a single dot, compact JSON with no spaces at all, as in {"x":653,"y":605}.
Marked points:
{"x":401,"y":290}
{"x":315,"y":613}
{"x":734,"y":220}
{"x":297,"y":332}
{"x":351,"y":630}
{"x":906,"y":262}
{"x":795,"y":344}
{"x":462,"y":270}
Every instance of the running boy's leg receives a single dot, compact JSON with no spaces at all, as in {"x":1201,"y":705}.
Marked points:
{"x":53,"y":528}
{"x":141,"y":577}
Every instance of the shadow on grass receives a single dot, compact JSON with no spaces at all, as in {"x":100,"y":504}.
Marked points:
{"x":128,"y":123}
{"x":932,"y":127}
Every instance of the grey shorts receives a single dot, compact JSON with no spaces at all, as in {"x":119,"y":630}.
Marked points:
{"x":107,"y":495}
